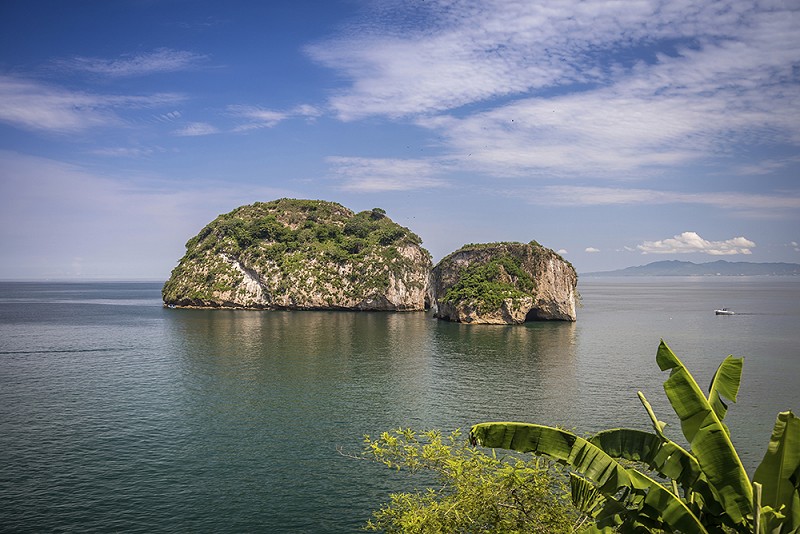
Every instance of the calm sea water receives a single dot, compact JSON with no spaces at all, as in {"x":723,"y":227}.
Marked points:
{"x":119,"y":415}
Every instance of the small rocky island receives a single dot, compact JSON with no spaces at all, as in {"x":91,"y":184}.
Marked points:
{"x":302,"y":255}
{"x":504,"y":283}
{"x":293,"y":254}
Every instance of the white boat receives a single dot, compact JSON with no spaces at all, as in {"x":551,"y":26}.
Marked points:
{"x":724,"y":311}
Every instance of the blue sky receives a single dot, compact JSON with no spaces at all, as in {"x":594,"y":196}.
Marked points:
{"x":617,"y":133}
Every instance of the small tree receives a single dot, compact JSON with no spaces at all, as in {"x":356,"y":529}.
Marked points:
{"x":471,"y":491}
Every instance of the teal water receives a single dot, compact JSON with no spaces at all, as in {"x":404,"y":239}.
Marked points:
{"x":119,"y":415}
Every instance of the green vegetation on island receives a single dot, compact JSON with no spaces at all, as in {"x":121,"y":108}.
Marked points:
{"x":486,"y":285}
{"x":308,"y":253}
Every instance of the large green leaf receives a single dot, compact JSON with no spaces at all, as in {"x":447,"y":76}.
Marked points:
{"x":658,"y":426}
{"x":666,"y":458}
{"x":609,"y":514}
{"x":558,"y":444}
{"x":672,"y":460}
{"x":725,"y":384}
{"x":709,"y":440}
{"x":653,"y":501}
{"x":606,"y":511}
{"x":779,"y":471}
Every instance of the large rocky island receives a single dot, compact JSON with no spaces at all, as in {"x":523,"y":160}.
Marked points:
{"x":504,"y":283}
{"x":301,"y":255}
{"x":315,"y":255}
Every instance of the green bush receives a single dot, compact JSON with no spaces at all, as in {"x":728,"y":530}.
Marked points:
{"x":469,"y":491}
{"x":358,"y":226}
{"x":487,"y":285}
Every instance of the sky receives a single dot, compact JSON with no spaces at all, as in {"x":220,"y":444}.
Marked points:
{"x":617,"y":133}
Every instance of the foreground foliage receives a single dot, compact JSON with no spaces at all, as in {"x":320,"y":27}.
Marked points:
{"x":470,"y":490}
{"x":708,"y":489}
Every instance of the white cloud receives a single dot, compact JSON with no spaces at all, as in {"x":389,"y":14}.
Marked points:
{"x":258,"y":117}
{"x":35,"y":106}
{"x":601,"y":133}
{"x":194,"y":129}
{"x":160,"y":60}
{"x":562,"y":251}
{"x":684,"y":80}
{"x":767,"y":166}
{"x":795,"y":246}
{"x":690,"y":242}
{"x":306,"y":110}
{"x":370,"y":175}
{"x":591,"y":250}
{"x":169,"y":117}
{"x":568,"y":195}
{"x":129,"y":152}
{"x":464,"y":52}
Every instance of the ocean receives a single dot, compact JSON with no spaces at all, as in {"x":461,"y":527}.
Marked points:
{"x":119,"y":415}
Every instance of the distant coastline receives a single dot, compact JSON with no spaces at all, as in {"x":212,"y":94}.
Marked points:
{"x":714,"y":268}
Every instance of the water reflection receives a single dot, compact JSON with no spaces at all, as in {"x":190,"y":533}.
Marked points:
{"x":394,"y":369}
{"x":504,"y":373}
{"x":279,"y":391}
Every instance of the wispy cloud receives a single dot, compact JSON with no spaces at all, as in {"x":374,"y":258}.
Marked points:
{"x":691,"y":242}
{"x":605,"y":89}
{"x":566,"y":195}
{"x":36,"y":106}
{"x":767,"y":166}
{"x":157,"y":61}
{"x":372,"y":175}
{"x":194,"y":129}
{"x":591,"y":250}
{"x":129,"y":152}
{"x":601,"y":134}
{"x":256,"y":117}
{"x":170,"y":116}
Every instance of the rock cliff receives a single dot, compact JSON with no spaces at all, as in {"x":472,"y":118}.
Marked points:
{"x":302,"y":254}
{"x":504,"y":283}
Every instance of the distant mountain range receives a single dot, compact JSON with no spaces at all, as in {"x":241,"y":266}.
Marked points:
{"x":714,"y":268}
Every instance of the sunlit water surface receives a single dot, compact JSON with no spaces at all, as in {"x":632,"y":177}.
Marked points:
{"x":119,"y":415}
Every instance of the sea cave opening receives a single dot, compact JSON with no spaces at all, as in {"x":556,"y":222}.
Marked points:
{"x":533,"y":316}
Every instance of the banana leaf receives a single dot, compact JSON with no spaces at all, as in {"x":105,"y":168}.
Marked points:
{"x":725,"y":383}
{"x":665,"y":457}
{"x":710,"y":442}
{"x":653,"y":501}
{"x":609,"y":514}
{"x":779,"y":471}
{"x":606,"y":511}
{"x":658,"y":426}
{"x":669,"y":460}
